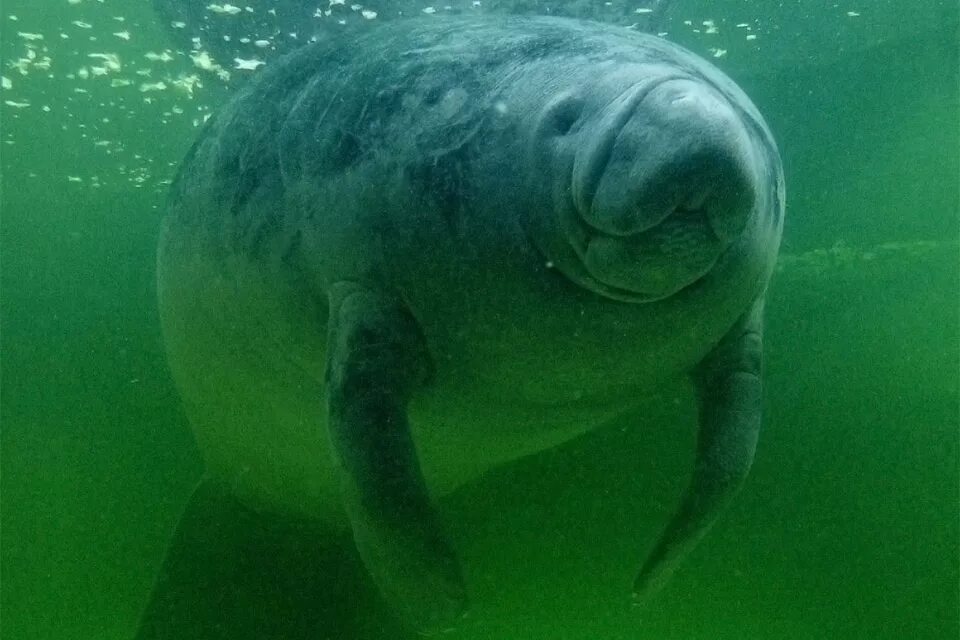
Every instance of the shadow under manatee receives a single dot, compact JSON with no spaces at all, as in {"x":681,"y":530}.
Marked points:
{"x":234,"y":574}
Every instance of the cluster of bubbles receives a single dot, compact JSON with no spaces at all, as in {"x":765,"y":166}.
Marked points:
{"x":96,"y":77}
{"x":111,"y":80}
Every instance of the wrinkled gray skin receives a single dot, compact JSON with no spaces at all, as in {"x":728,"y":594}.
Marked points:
{"x":390,"y":266}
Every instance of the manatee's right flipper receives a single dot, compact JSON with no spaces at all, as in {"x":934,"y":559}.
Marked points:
{"x":376,"y":358}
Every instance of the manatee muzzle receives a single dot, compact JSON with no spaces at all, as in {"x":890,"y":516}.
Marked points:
{"x":666,"y":185}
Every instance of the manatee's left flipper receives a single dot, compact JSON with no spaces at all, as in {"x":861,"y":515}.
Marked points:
{"x":376,"y":359}
{"x":729,"y":395}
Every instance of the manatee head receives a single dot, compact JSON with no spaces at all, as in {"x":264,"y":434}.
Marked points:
{"x":656,"y":171}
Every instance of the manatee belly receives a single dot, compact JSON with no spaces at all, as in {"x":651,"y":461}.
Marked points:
{"x":247,"y":358}
{"x":246,"y":348}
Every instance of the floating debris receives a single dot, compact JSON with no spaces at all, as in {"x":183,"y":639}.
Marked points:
{"x":186,"y":84}
{"x":153,"y":86}
{"x":158,"y":57}
{"x":6,"y":83}
{"x":247,"y":65}
{"x":203,"y":60}
{"x":224,"y":9}
{"x":840,"y":256}
{"x":123,"y":35}
{"x":111,"y":61}
{"x":16,"y":105}
{"x":30,"y":36}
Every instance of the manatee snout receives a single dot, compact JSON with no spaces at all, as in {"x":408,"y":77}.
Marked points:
{"x":667,"y":185}
{"x":676,"y":147}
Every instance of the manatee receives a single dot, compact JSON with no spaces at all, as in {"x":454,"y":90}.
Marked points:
{"x":392,"y":263}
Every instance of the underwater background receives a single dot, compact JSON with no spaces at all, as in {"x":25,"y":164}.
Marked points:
{"x":849,"y":525}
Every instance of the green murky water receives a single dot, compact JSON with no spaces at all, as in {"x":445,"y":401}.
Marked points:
{"x":848,"y":526}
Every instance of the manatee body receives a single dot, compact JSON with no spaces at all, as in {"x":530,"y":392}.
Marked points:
{"x":393,"y":263}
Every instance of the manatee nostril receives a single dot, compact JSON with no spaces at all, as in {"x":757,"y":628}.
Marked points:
{"x":561,"y":115}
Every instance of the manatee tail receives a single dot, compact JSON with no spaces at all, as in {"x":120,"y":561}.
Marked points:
{"x":232,"y":573}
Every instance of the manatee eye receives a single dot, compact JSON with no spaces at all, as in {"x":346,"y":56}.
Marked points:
{"x":562,"y":114}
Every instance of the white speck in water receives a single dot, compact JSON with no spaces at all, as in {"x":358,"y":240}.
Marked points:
{"x":224,"y":9}
{"x":153,"y":86}
{"x":247,"y":65}
{"x":158,"y":57}
{"x":111,"y":61}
